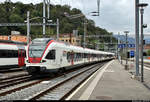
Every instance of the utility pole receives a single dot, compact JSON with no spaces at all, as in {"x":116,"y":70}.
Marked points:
{"x":96,"y":13}
{"x":57,"y":29}
{"x":109,"y":49}
{"x":85,"y":31}
{"x":70,"y":38}
{"x":142,"y":5}
{"x":28,"y":27}
{"x":48,"y":12}
{"x":7,"y":17}
{"x":48,"y":9}
{"x":137,"y":35}
{"x":121,"y":53}
{"x":44,"y":19}
{"x":142,"y":12}
{"x":98,"y":5}
{"x":75,"y":33}
{"x":126,"y":65}
{"x":118,"y":45}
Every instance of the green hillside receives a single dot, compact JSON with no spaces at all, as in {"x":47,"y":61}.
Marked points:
{"x":17,"y":13}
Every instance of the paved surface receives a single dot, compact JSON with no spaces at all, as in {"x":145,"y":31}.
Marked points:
{"x":146,"y":72}
{"x":112,"y":82}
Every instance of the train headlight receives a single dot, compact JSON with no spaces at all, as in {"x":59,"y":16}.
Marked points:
{"x":42,"y":68}
{"x":43,"y":61}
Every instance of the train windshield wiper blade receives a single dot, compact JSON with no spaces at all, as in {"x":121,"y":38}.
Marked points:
{"x":32,"y":53}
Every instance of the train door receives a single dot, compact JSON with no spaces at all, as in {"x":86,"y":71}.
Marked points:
{"x":21,"y":57}
{"x":72,"y":58}
{"x":58,"y":57}
{"x":89,"y":57}
{"x":52,"y":58}
{"x":60,"y":62}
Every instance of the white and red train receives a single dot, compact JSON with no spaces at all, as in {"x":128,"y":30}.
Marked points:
{"x":46,"y":54}
{"x":12,"y":54}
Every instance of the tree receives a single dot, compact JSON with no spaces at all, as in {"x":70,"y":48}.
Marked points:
{"x":16,"y":19}
{"x":17,"y":13}
{"x":148,"y":52}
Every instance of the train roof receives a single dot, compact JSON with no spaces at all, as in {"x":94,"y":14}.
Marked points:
{"x":68,"y":46}
{"x":41,"y":40}
{"x":12,"y":42}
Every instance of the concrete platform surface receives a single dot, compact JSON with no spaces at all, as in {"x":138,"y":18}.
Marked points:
{"x":111,"y":82}
{"x":146,"y":71}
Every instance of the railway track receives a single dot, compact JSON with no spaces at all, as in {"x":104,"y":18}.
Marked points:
{"x":10,"y":70}
{"x":13,"y":76}
{"x":64,"y":88}
{"x":6,"y":82}
{"x":147,"y":65}
{"x":41,"y":89}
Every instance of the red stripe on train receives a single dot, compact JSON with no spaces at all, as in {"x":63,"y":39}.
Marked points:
{"x":35,"y":60}
{"x":47,"y":47}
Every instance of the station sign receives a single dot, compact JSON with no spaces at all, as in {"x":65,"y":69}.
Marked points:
{"x":131,"y":45}
{"x":121,"y":45}
{"x":132,"y":53}
{"x":124,"y":45}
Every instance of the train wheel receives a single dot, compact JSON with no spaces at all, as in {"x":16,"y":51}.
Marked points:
{"x":53,"y":74}
{"x":33,"y":71}
{"x":60,"y":70}
{"x":64,"y":70}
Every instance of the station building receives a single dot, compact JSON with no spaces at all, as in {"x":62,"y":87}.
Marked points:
{"x":15,"y":36}
{"x":70,"y":38}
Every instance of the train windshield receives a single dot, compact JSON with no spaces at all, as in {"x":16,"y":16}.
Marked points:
{"x":37,"y":47}
{"x":36,"y":50}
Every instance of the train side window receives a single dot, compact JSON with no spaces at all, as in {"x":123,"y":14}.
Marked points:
{"x":8,"y":53}
{"x":2,"y":54}
{"x":15,"y":53}
{"x":51,"y":54}
{"x":64,"y":53}
{"x":69,"y":56}
{"x":84,"y":55}
{"x":24,"y":53}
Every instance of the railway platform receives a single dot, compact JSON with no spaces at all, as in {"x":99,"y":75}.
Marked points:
{"x":111,"y":82}
{"x":146,"y":70}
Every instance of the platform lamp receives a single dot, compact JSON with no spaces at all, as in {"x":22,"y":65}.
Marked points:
{"x":126,"y":65}
{"x":141,"y":6}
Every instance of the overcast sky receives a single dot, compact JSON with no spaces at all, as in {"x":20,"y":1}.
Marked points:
{"x":115,"y":15}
